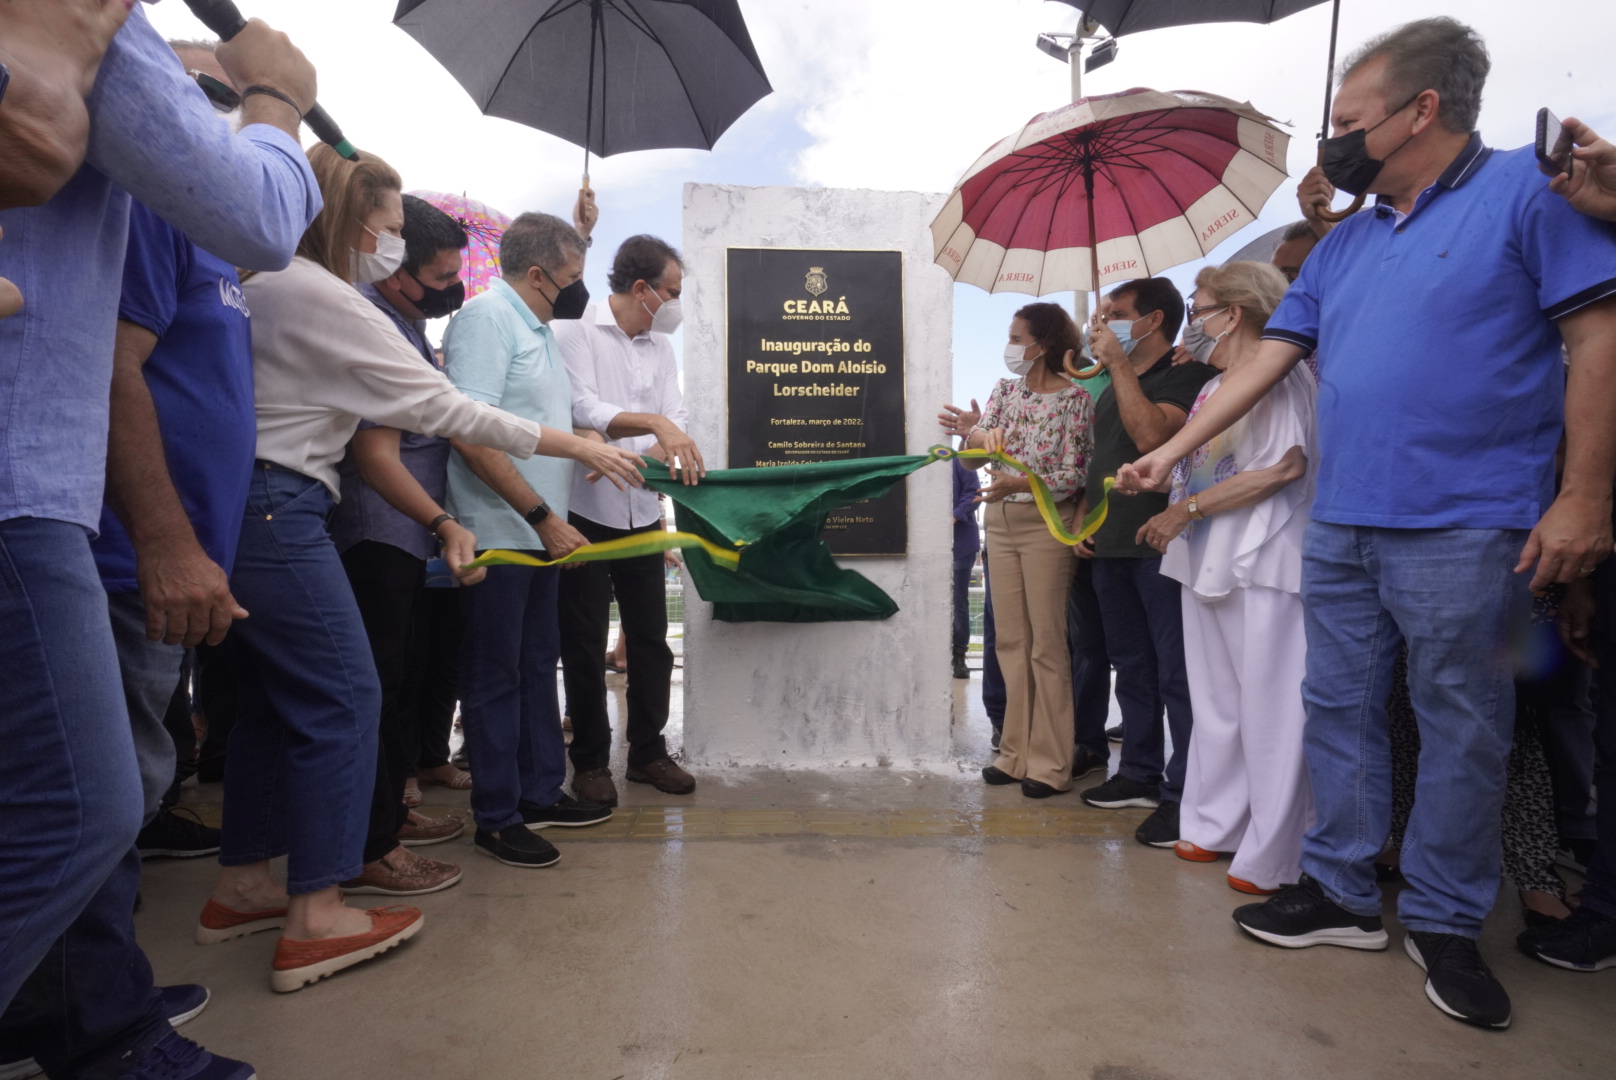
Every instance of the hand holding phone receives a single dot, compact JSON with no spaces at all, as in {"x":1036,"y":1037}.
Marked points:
{"x":1553,"y":144}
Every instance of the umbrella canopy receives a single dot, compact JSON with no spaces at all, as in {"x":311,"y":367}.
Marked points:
{"x":1132,"y":16}
{"x":608,"y":75}
{"x":484,"y":225}
{"x":1261,"y":249}
{"x":1157,"y":179}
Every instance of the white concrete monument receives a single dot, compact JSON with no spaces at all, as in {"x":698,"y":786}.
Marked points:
{"x":834,"y":693}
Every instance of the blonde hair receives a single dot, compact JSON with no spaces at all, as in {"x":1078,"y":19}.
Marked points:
{"x":351,"y":190}
{"x":1253,"y":287}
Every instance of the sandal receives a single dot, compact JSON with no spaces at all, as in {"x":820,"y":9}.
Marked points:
{"x":460,"y":781}
{"x":412,"y":793}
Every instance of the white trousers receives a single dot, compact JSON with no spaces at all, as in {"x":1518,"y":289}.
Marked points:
{"x":1246,"y":788}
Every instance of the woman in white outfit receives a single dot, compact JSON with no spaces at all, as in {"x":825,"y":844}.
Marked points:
{"x":1232,"y":535}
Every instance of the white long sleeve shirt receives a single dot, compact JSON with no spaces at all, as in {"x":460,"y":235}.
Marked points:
{"x":324,"y":359}
{"x":613,"y":373}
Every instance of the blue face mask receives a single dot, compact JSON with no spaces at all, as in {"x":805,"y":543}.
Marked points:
{"x":1123,"y":328}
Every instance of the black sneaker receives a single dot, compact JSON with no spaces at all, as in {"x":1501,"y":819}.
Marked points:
{"x":1119,"y":791}
{"x":1160,"y":829}
{"x":177,"y":1058}
{"x":1584,"y":941}
{"x":566,"y":813}
{"x":1114,"y":734}
{"x":996,"y":777}
{"x":1458,"y":981}
{"x":1037,"y":789}
{"x":998,"y":733}
{"x":1085,"y":761}
{"x":1301,"y":915}
{"x":177,"y":834}
{"x":518,"y":847}
{"x":960,"y":670}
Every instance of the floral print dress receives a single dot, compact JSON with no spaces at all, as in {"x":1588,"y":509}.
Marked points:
{"x":1051,"y":434}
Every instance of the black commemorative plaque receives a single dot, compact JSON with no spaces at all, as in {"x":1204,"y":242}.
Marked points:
{"x":816,"y":373}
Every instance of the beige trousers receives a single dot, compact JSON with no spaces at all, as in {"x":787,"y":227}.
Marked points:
{"x":1030,"y":573}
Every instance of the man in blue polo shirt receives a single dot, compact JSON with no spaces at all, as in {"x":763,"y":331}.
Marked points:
{"x":1438,"y":318}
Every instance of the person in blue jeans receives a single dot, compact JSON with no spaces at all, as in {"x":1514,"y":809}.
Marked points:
{"x":70,"y":783}
{"x":500,"y":350}
{"x":1443,"y":397}
{"x":967,"y":542}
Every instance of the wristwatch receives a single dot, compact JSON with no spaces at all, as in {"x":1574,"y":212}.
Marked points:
{"x":439,"y":520}
{"x":1195,"y":509}
{"x":537,"y":516}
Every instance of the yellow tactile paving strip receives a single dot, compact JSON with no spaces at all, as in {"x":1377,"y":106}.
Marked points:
{"x":714,"y":823}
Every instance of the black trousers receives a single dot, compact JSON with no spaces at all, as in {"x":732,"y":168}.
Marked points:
{"x":389,"y":585}
{"x":440,"y":675}
{"x":586,"y":597}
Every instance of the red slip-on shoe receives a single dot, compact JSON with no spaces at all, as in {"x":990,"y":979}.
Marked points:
{"x":1248,"y":888}
{"x":219,"y":923}
{"x":1186,"y":850}
{"x":298,"y":963}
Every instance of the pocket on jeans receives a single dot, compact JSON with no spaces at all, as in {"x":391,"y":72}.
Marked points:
{"x":279,"y":491}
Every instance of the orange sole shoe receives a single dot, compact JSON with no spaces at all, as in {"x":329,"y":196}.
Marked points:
{"x":1186,"y":850}
{"x":219,"y":923}
{"x":1248,"y":888}
{"x":298,"y":963}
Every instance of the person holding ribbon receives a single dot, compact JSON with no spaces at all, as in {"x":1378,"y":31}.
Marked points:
{"x":1232,"y":537}
{"x":1046,"y":422}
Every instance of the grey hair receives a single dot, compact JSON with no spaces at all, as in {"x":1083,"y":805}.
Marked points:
{"x":541,"y":240}
{"x":199,"y":44}
{"x":1440,"y":54}
{"x":1298,"y":230}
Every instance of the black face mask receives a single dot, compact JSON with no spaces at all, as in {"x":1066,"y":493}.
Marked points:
{"x":1346,"y":160}
{"x":570,"y":301}
{"x":436,"y":303}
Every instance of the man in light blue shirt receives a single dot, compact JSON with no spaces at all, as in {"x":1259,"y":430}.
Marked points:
{"x":499,"y":350}
{"x":70,"y":789}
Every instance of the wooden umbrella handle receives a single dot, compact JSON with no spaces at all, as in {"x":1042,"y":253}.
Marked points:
{"x":1336,"y":216}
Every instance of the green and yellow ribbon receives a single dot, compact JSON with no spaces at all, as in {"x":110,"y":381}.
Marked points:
{"x":625,"y":547}
{"x":1042,"y":496}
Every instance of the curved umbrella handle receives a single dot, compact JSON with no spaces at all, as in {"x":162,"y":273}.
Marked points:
{"x":1086,"y":373}
{"x":1337,"y":216}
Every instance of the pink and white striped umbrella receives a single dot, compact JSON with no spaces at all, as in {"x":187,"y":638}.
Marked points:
{"x":1161,"y":177}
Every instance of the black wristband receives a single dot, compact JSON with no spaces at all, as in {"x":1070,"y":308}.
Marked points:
{"x":537,"y":516}
{"x":270,"y":91}
{"x":439,"y":520}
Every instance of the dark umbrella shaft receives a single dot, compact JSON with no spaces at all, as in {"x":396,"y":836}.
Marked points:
{"x":225,"y":19}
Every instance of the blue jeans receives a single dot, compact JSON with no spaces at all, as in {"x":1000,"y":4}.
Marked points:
{"x":1599,"y":890}
{"x":994,"y":694}
{"x":301,"y":764}
{"x":1091,"y":668}
{"x":512,"y":716}
{"x":1142,"y":618}
{"x":150,"y":671}
{"x":70,"y":798}
{"x":1452,"y":596}
{"x":962,"y":600}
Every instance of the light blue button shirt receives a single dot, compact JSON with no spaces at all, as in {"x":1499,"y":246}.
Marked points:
{"x":153,"y":135}
{"x":496,"y":350}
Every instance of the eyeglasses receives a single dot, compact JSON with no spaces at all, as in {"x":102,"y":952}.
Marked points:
{"x":222,"y":97}
{"x":1197,"y":312}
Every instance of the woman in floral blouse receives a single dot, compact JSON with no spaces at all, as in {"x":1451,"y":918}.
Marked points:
{"x":1042,"y":420}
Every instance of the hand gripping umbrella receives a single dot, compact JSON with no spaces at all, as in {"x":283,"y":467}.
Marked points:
{"x":608,"y":75}
{"x":1132,"y":16}
{"x":1109,"y":188}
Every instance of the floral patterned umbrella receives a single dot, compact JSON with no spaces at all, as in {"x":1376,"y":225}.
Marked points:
{"x":484,"y":225}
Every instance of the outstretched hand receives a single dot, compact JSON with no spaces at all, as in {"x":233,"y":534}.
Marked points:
{"x":1149,"y":473}
{"x":959,"y":422}
{"x":1590,"y":187}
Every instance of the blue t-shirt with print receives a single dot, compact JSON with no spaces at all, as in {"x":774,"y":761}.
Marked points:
{"x":201,"y":381}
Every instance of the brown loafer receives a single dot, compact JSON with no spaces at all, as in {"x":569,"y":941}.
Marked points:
{"x":401,"y":872}
{"x":420,"y":830}
{"x":663,"y":775}
{"x":595,"y":786}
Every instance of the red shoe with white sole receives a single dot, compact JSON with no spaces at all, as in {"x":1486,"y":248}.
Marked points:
{"x":219,"y":923}
{"x":1186,"y":850}
{"x":1248,"y":888}
{"x":298,"y":963}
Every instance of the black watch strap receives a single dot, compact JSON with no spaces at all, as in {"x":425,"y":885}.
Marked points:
{"x":439,"y":520}
{"x":537,"y":516}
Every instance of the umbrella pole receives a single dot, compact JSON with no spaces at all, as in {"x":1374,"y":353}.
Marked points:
{"x":1333,"y":216}
{"x":589,"y":99}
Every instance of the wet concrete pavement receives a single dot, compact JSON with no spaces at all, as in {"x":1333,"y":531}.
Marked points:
{"x":865,"y":923}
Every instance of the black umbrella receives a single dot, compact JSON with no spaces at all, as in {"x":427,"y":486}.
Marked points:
{"x":608,"y":75}
{"x":1132,"y":16}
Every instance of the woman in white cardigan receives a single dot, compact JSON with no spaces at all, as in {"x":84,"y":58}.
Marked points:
{"x":1232,"y":535}
{"x":302,"y":756}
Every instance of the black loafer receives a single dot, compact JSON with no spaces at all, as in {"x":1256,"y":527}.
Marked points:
{"x":996,"y":777}
{"x":1034,"y":789}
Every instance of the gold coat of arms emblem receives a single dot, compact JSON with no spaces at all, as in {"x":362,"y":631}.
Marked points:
{"x":816,"y":283}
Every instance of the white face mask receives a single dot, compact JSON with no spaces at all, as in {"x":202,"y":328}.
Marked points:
{"x":665,"y":319}
{"x":373,"y":266}
{"x":1208,"y":343}
{"x":1017,"y":360}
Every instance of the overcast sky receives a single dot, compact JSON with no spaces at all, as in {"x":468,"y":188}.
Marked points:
{"x":903,"y":95}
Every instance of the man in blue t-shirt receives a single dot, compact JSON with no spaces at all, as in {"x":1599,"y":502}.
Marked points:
{"x":1438,"y":318}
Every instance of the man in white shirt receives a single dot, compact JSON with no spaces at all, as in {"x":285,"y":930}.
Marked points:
{"x":625,"y":385}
